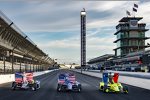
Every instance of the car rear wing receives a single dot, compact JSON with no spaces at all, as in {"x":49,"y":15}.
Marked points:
{"x":72,"y":79}
{"x":61,"y":78}
{"x":29,"y":76}
{"x":18,"y":77}
{"x":110,"y":78}
{"x":115,"y":77}
{"x":105,"y":77}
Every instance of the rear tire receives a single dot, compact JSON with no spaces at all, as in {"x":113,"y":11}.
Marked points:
{"x":34,"y":87}
{"x":101,"y":88}
{"x":105,"y":89}
{"x":58,"y":88}
{"x":14,"y":85}
{"x":79,"y":89}
{"x":125,"y":90}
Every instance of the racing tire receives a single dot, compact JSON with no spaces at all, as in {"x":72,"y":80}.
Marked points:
{"x":58,"y":88}
{"x":101,"y":88}
{"x":37,"y":85}
{"x":125,"y":90}
{"x":79,"y":89}
{"x":34,"y":87}
{"x":105,"y":89}
{"x":14,"y":85}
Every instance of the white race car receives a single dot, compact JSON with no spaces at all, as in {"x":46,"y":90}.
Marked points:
{"x":67,"y":82}
{"x":25,"y":81}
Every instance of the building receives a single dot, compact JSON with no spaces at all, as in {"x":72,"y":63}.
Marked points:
{"x":101,"y":61}
{"x":130,"y":36}
{"x":18,"y":53}
{"x":136,"y":61}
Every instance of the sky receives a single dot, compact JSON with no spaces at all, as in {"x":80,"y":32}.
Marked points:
{"x":54,"y":25}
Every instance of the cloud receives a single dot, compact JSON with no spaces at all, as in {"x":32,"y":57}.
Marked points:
{"x":47,"y":21}
{"x":59,"y":15}
{"x":70,"y":48}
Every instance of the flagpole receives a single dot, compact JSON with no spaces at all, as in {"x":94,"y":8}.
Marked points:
{"x":128,"y":13}
{"x":133,"y":13}
{"x":133,"y":10}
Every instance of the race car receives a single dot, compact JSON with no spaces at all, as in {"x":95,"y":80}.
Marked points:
{"x":110,"y":83}
{"x":67,"y":81}
{"x":25,"y":81}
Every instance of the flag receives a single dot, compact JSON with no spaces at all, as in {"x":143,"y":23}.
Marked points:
{"x":135,"y":10}
{"x":18,"y":77}
{"x":128,"y":13}
{"x":135,"y":5}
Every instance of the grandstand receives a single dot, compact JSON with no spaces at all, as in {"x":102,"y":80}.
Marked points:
{"x":18,"y":52}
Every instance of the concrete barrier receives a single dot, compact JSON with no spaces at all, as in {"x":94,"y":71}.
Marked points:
{"x":130,"y":74}
{"x":7,"y":78}
{"x":43,"y":72}
{"x":11,"y":77}
{"x":134,"y":81}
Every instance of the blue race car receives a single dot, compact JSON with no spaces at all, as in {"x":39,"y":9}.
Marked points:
{"x":67,"y":81}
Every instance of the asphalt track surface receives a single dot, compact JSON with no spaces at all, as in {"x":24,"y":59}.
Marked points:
{"x":89,"y":90}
